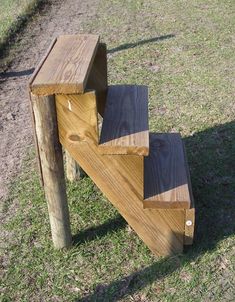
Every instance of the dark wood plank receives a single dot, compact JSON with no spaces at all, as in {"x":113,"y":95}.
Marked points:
{"x":98,"y":79}
{"x":67,"y":66}
{"x":166,"y":183}
{"x":125,"y":124}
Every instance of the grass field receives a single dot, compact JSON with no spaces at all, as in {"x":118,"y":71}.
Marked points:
{"x":13,"y":13}
{"x":183,"y":50}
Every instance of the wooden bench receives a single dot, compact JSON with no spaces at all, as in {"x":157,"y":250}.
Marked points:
{"x":144,"y":175}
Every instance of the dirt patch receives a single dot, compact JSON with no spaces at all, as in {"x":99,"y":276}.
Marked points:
{"x":57,"y":17}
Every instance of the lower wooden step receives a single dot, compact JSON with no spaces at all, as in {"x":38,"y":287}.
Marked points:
{"x":166,"y":181}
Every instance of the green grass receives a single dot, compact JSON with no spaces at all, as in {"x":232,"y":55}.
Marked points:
{"x":188,"y":68}
{"x":13,"y":14}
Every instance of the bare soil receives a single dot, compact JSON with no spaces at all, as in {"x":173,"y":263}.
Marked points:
{"x":57,"y":17}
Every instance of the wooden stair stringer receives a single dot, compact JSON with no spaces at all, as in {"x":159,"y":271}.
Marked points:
{"x":120,"y":178}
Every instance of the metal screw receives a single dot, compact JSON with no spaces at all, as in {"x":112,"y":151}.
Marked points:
{"x":189,"y":223}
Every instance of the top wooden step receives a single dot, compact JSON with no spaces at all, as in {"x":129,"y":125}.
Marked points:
{"x":65,"y":68}
{"x":125,"y":124}
{"x":166,"y":178}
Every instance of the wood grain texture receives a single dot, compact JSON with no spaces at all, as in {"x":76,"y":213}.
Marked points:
{"x":80,"y":112}
{"x":66,"y":68}
{"x":51,"y":159}
{"x":120,"y":178}
{"x":166,"y":182}
{"x":98,"y":78}
{"x":125,"y":124}
{"x":39,"y":65}
{"x":72,"y":168}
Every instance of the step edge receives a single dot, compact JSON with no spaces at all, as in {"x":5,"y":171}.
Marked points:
{"x":119,"y":150}
{"x":165,"y":205}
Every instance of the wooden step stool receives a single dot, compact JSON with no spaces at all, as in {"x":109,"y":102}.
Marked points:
{"x":145,"y":176}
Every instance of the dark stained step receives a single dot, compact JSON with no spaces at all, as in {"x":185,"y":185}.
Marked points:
{"x":125,"y":123}
{"x":166,"y":179}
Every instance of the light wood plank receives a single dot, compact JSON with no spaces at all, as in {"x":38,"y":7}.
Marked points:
{"x":67,"y":66}
{"x":82,"y":112}
{"x":120,"y":178}
{"x":51,"y":158}
{"x":125,"y":123}
{"x":165,"y":177}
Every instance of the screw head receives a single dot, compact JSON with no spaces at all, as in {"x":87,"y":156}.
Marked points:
{"x":189,"y":222}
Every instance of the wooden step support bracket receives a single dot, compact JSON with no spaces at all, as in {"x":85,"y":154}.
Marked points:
{"x":144,"y":176}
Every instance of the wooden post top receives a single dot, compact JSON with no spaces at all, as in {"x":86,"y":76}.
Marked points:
{"x":66,"y":65}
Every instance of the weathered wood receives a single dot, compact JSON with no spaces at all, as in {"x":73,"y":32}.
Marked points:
{"x":98,"y":78}
{"x":72,"y":168}
{"x":125,"y":124}
{"x":166,"y":183}
{"x":120,"y":178}
{"x":51,"y":159}
{"x":36,"y":142}
{"x":67,"y":66}
{"x":39,"y":65}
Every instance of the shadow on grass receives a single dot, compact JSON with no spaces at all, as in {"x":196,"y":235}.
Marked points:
{"x":92,"y":233}
{"x":16,"y":74}
{"x":139,"y":43}
{"x":211,"y":157}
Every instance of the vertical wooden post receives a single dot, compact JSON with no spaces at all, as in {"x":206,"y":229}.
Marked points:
{"x":51,"y":160}
{"x":72,"y":168}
